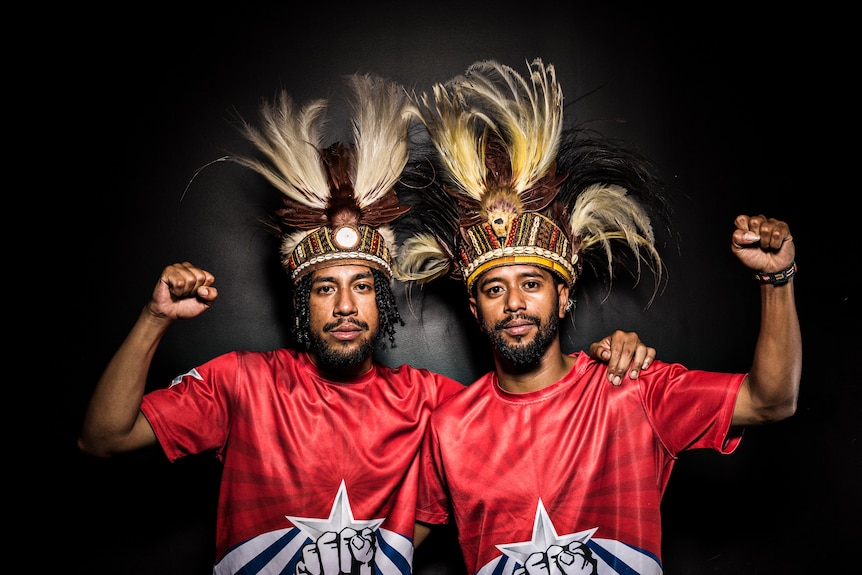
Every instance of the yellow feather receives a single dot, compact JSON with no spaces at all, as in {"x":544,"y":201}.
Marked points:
{"x":527,"y":114}
{"x":453,"y":131}
{"x":421,"y":259}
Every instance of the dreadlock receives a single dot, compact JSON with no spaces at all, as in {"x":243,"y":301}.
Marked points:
{"x":302,"y":312}
{"x":386,"y":306}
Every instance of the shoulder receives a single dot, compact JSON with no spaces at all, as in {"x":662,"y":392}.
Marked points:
{"x":469,"y":395}
{"x":250,"y":361}
{"x":417,"y":373}
{"x":440,"y":384}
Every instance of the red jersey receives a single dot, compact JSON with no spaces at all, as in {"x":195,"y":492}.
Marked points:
{"x":581,"y":460}
{"x":302,"y":454}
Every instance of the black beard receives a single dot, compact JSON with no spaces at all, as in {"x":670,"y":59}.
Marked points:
{"x":333,"y":357}
{"x":528,"y":354}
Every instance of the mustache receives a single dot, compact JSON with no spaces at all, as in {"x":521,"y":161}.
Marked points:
{"x":332,"y":325}
{"x":503,"y":324}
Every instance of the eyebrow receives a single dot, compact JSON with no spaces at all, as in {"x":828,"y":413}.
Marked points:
{"x":534,"y":273}
{"x":332,"y":279}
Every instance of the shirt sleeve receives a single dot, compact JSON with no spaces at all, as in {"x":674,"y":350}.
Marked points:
{"x":432,"y":502}
{"x":691,"y":409}
{"x":191,"y":415}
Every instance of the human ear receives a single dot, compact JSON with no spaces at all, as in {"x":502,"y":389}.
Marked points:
{"x":474,"y":310}
{"x":565,"y":304}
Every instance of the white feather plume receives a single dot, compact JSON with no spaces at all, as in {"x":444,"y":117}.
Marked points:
{"x":291,"y":140}
{"x":604,"y":214}
{"x":380,"y":125}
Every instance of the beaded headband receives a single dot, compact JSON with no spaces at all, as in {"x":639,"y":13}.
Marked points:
{"x":530,"y":239}
{"x":345,"y":245}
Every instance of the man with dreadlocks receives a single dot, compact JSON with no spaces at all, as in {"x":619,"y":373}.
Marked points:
{"x":541,"y":469}
{"x":319,"y":443}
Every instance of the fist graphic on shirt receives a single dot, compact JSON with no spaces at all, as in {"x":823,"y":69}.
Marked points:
{"x":348,"y":552}
{"x":572,"y":559}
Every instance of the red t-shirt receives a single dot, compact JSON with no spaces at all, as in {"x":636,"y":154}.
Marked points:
{"x":580,"y":460}
{"x":302,"y":454}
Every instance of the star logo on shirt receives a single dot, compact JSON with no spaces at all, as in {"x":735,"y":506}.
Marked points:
{"x":340,"y":516}
{"x":544,"y":535}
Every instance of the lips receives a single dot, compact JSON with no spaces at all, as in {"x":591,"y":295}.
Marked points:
{"x":345,"y":331}
{"x":345,"y":334}
{"x":518,"y":326}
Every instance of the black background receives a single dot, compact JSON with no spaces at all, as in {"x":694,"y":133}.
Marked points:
{"x":742,"y":114}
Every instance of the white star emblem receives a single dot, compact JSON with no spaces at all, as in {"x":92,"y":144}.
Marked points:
{"x":340,"y":516}
{"x":544,"y":535}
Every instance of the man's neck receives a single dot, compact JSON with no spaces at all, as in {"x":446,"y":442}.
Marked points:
{"x":341,"y":372}
{"x":553,"y":366}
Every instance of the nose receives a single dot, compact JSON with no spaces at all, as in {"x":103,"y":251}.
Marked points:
{"x":514,"y":300}
{"x":345,"y":303}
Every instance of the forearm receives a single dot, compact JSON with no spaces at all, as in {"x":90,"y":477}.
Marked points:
{"x":772,"y":385}
{"x":420,"y":533}
{"x":113,"y":422}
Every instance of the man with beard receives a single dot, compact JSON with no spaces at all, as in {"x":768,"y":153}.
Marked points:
{"x":543,"y":470}
{"x":319,"y":442}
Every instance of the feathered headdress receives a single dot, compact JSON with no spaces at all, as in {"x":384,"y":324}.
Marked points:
{"x":339,"y":200}
{"x":521,"y":190}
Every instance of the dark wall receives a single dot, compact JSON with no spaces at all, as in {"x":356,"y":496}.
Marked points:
{"x":730,"y":107}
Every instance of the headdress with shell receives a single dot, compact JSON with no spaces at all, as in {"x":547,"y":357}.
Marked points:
{"x":517,"y":187}
{"x":338,"y":200}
